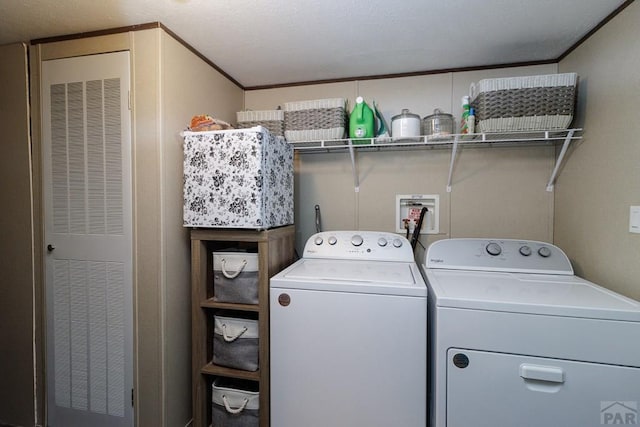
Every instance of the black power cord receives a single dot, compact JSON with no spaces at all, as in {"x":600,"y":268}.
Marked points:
{"x":416,"y":231}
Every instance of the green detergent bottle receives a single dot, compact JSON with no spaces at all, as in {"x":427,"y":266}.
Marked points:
{"x":361,"y":122}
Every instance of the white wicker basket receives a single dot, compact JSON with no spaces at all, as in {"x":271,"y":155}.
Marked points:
{"x":524,"y":103}
{"x":546,"y":80}
{"x":315,"y":119}
{"x":273,"y":120}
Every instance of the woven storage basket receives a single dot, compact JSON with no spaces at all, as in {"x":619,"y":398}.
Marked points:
{"x":544,"y":102}
{"x":315,"y":119}
{"x":273,"y":120}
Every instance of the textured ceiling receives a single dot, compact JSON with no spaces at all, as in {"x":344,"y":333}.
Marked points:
{"x":287,"y":41}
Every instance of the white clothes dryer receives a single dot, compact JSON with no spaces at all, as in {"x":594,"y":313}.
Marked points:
{"x":516,"y":339}
{"x":348,"y":334}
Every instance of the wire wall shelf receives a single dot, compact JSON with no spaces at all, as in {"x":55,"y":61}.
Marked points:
{"x":452,"y":142}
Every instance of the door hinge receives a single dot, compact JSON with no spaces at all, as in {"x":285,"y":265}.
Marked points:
{"x":131,"y":397}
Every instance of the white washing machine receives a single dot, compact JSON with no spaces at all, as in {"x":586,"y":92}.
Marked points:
{"x":348,"y":334}
{"x":518,"y":340}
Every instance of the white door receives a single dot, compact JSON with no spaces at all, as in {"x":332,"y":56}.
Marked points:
{"x":88,"y":234}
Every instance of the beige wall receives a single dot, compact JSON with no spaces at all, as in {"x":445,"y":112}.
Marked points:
{"x":497,"y":192}
{"x":148,"y":268}
{"x":601,"y":178}
{"x":189,"y":87}
{"x":16,"y":246}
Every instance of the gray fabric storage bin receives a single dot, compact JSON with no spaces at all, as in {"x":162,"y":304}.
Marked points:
{"x":235,"y":276}
{"x":235,"y":342}
{"x":234,"y":403}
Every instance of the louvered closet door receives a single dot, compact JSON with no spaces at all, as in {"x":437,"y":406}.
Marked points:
{"x":88,"y":233}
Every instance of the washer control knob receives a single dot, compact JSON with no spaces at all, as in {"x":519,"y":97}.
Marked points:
{"x":544,"y":252}
{"x":332,"y":240}
{"x":318,"y":240}
{"x":493,"y":249}
{"x":397,"y":243}
{"x":356,"y":240}
{"x":525,"y":250}
{"x":382,"y":242}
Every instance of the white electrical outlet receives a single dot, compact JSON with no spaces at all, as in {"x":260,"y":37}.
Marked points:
{"x":409,"y":207}
{"x":634,"y":219}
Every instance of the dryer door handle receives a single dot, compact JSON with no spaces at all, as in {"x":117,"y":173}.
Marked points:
{"x":551,"y":374}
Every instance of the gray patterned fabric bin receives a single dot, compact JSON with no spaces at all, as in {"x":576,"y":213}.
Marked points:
{"x":235,"y":342}
{"x":237,"y":179}
{"x":234,"y":403}
{"x":235,"y":276}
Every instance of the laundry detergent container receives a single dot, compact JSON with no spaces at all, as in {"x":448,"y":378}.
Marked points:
{"x":237,"y":179}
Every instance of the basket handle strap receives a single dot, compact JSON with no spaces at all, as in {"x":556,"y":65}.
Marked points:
{"x":235,"y":274}
{"x":232,"y":410}
{"x":231,"y":338}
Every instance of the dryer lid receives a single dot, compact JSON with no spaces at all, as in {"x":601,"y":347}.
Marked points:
{"x":551,"y":294}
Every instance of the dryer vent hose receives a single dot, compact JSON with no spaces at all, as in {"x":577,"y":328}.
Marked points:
{"x":416,"y":231}
{"x":318,"y":222}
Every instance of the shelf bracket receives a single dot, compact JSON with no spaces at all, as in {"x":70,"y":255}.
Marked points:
{"x":563,"y":152}
{"x":454,"y":151}
{"x":356,"y":180}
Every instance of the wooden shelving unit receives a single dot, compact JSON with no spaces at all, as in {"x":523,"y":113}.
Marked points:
{"x":276,"y":250}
